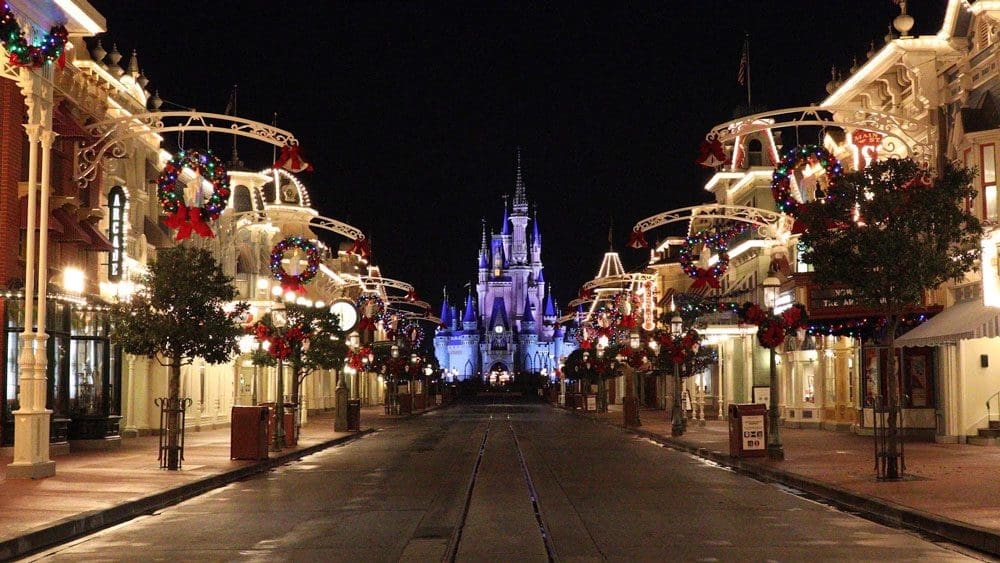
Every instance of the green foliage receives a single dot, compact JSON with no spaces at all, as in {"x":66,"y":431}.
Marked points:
{"x":319,"y":346}
{"x":178,"y":313}
{"x":913,"y":233}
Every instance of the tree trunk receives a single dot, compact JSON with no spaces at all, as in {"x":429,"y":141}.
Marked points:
{"x":892,"y":467}
{"x":174,"y":415}
{"x":296,"y":386}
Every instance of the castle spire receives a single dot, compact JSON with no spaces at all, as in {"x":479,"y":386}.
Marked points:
{"x":505,"y":227}
{"x":470,"y":311}
{"x":445,"y":310}
{"x":550,"y":307}
{"x":482,"y":244}
{"x":536,"y":239}
{"x":520,"y":198}
{"x":527,"y":316}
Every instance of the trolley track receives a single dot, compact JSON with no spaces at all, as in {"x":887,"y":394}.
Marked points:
{"x":500,"y":421}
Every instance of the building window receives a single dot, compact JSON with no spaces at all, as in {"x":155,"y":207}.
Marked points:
{"x":116,"y":232}
{"x":989,"y":182}
{"x":967,"y":159}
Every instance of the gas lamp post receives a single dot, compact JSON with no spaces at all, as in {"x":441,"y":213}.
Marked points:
{"x":676,"y":414}
{"x":279,"y":320}
{"x":775,"y":450}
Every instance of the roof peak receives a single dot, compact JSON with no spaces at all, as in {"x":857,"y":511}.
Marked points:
{"x":520,"y":196}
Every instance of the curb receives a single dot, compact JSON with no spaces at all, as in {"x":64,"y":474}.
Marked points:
{"x":881,"y":511}
{"x":85,"y":523}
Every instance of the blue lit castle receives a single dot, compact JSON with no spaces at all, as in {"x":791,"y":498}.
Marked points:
{"x":511,"y":325}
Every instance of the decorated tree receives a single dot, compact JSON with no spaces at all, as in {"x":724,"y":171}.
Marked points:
{"x":182,"y":311}
{"x":310,"y":340}
{"x":891,"y":232}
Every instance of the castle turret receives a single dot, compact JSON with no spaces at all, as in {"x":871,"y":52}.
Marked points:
{"x":536,"y":243}
{"x":469,"y":318}
{"x":527,"y":315}
{"x":445,"y":312}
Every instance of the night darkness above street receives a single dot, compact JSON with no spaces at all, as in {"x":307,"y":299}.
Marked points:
{"x":411,"y":112}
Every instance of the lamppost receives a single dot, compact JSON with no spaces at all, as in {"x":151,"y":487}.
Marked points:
{"x":630,"y":404}
{"x":676,"y":414}
{"x":279,"y":320}
{"x":602,"y":393}
{"x":390,"y":404}
{"x":774,"y":448}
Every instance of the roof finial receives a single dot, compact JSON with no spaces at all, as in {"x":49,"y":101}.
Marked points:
{"x":505,"y":227}
{"x":482,"y":244}
{"x":611,"y":238}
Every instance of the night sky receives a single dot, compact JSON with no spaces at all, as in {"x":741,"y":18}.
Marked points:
{"x":411,"y":112}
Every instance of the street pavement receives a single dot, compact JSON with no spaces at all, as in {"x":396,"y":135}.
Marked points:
{"x":501,"y":482}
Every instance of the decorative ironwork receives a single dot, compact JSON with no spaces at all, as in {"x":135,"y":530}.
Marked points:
{"x":770,"y":225}
{"x":171,"y":457}
{"x":916,"y":137}
{"x":110,"y":134}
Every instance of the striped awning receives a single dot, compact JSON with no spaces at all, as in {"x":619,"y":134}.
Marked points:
{"x":962,"y":321}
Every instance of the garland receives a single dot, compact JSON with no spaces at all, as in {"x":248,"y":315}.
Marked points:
{"x":781,"y":184}
{"x":372,"y":309}
{"x":771,"y":329}
{"x":280,"y":345}
{"x":294,"y":282}
{"x":187,"y":219}
{"x":22,"y":54}
{"x":681,"y":348}
{"x":717,"y":241}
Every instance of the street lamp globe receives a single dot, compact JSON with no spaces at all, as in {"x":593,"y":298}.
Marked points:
{"x":633,"y":340}
{"x":246,"y":343}
{"x":395,"y":351}
{"x":771,"y":288}
{"x":278,"y":316}
{"x":414,"y":358}
{"x":676,"y":324}
{"x":354,"y":340}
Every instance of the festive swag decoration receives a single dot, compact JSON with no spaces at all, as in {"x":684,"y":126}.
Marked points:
{"x":356,"y":359}
{"x":637,"y":239}
{"x":808,"y":160}
{"x":716,"y":241}
{"x":772,"y":329}
{"x":281,"y":344}
{"x":180,"y":216}
{"x":294,"y":282}
{"x":678,"y":349}
{"x":627,"y":306}
{"x":51,"y":48}
{"x":291,"y":160}
{"x":372,"y":309}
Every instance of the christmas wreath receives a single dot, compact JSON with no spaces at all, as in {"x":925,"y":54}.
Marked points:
{"x":52,"y":47}
{"x":716,"y":241}
{"x":372,"y":309}
{"x":413,"y":333}
{"x":294,"y":282}
{"x":187,"y":219}
{"x":794,"y":159}
{"x":627,"y":305}
{"x":678,"y":349}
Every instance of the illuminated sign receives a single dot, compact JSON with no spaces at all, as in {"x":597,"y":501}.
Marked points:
{"x":116,"y":232}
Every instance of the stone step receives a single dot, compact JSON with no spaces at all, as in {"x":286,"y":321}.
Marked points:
{"x":989,"y":432}
{"x":995,"y":424}
{"x":980,"y":441}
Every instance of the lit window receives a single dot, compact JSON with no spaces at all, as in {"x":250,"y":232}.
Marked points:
{"x":990,"y":182}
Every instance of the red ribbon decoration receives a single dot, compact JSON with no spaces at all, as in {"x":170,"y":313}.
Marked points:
{"x":637,"y":240}
{"x":185,"y":220}
{"x":586,"y":294}
{"x":711,"y":153}
{"x":628,"y":321}
{"x":412,"y":296}
{"x":291,"y":160}
{"x":366,"y":323}
{"x":293,"y":285}
{"x":705,"y":276}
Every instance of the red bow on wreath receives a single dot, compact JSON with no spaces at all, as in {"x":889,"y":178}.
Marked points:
{"x":292,"y":284}
{"x":705,"y":276}
{"x":366,"y":323}
{"x":585,"y":345}
{"x":260,"y":331}
{"x":637,"y":240}
{"x":185,"y":220}
{"x":280,"y":349}
{"x":361,"y":247}
{"x":291,"y":160}
{"x":628,"y":321}
{"x":771,"y":334}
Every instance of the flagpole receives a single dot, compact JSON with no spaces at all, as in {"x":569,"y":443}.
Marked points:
{"x":747,"y":47}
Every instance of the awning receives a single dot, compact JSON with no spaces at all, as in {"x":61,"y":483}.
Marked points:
{"x":98,"y":241}
{"x":72,"y":232}
{"x":155,"y":234}
{"x":962,"y":321}
{"x":54,"y":225}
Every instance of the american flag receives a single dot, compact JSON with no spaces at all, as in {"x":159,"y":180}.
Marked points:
{"x":741,"y":75}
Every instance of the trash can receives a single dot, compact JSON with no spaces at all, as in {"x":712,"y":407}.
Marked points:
{"x":248,"y":433}
{"x":354,"y":414}
{"x":405,"y":403}
{"x":748,"y":430}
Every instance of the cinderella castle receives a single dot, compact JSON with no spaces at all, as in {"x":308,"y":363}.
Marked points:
{"x":510,"y":326}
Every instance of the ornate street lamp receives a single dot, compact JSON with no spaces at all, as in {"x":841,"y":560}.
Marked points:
{"x":676,"y":414}
{"x":775,"y":450}
{"x":279,"y":320}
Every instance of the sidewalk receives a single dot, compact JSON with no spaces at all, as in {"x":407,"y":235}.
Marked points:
{"x":952,"y":490}
{"x":95,"y":489}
